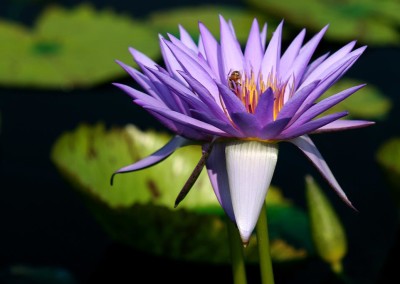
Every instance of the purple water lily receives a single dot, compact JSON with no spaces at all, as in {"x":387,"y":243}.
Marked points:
{"x":239,"y":105}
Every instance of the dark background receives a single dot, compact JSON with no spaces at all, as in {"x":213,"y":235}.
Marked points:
{"x":44,"y":223}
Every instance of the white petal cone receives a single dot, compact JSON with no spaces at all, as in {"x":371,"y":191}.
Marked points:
{"x":250,"y":166}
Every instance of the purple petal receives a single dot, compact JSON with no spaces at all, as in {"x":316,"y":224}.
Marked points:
{"x":187,"y":39}
{"x":141,"y":79}
{"x":295,"y":131}
{"x":264,"y":110}
{"x":135,"y":94}
{"x":142,"y":59}
{"x":311,"y":67}
{"x":212,"y":51}
{"x":273,"y":129}
{"x":324,"y":85}
{"x":263,"y":36}
{"x":158,"y":156}
{"x":247,"y":124}
{"x":305,"y":54}
{"x":231,"y":101}
{"x":181,"y":91}
{"x":254,"y":50}
{"x":331,"y":60}
{"x":325,"y":104}
{"x":343,"y":124}
{"x":170,"y":99}
{"x":292,"y":105}
{"x":270,"y":62}
{"x":290,"y":55}
{"x":170,"y":61}
{"x":221,"y":124}
{"x":205,"y":96}
{"x":232,"y":56}
{"x":305,"y":144}
{"x":187,"y":120}
{"x":193,"y":55}
{"x":192,"y":67}
{"x":216,"y":169}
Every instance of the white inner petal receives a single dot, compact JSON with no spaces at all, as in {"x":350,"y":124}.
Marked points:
{"x":250,"y":166}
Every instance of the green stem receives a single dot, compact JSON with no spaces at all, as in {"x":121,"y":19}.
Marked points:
{"x":237,"y":254}
{"x":264,"y":254}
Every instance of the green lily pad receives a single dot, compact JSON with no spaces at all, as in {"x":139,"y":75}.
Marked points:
{"x":366,"y":103}
{"x":167,"y":21}
{"x":138,"y":209}
{"x":388,"y":157}
{"x":71,"y":48}
{"x":354,"y":19}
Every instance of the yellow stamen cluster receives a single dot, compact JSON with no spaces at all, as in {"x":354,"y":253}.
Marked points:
{"x":249,"y":92}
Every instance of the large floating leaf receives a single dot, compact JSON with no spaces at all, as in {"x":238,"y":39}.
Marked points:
{"x":71,"y":48}
{"x":365,"y":20}
{"x":138,"y":208}
{"x":388,"y":157}
{"x":167,"y":21}
{"x":366,"y":103}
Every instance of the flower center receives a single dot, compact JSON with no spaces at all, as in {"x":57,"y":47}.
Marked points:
{"x":249,"y":89}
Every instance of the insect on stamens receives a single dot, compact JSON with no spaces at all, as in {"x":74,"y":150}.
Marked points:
{"x":234,"y":79}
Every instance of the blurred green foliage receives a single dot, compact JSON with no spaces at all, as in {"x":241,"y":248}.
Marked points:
{"x":70,"y":48}
{"x":368,"y":21}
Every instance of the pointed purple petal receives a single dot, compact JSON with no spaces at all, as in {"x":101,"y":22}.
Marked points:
{"x":273,"y":129}
{"x":310,"y":126}
{"x":216,"y":169}
{"x":246,"y":123}
{"x":232,"y":56}
{"x":325,"y":104}
{"x":221,"y":124}
{"x":231,"y":101}
{"x":142,"y":59}
{"x":305,"y":54}
{"x":311,"y":67}
{"x":331,"y":60}
{"x":254,"y":50}
{"x":212,"y":50}
{"x":270,"y":62}
{"x":343,"y":124}
{"x":170,"y":61}
{"x":158,"y":156}
{"x":187,"y":39}
{"x":194,"y":68}
{"x":205,"y":96}
{"x":264,"y":109}
{"x":325,"y":84}
{"x":141,"y":79}
{"x":290,"y":55}
{"x":135,"y":94}
{"x":181,"y":91}
{"x":305,"y":144}
{"x":293,"y":104}
{"x":263,"y":36}
{"x":187,"y":120}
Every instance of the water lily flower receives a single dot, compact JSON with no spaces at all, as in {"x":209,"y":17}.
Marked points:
{"x":239,"y":105}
